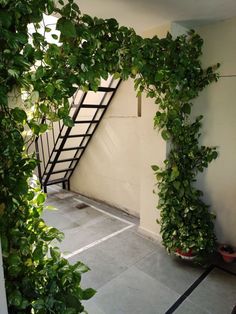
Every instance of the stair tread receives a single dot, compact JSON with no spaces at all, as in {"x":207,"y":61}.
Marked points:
{"x":59,"y":171}
{"x":69,"y":148}
{"x":56,"y":181}
{"x":76,"y":135}
{"x":87,"y":121}
{"x":93,"y":106}
{"x":65,"y":160}
{"x":106,"y":89}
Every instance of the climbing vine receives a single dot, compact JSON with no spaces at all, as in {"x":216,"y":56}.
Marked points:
{"x":38,"y":278}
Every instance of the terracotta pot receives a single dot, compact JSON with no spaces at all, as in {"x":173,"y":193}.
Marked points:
{"x":185,"y":255}
{"x":228,"y":257}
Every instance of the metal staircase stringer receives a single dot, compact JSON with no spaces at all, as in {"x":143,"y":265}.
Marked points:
{"x":59,"y":150}
{"x":94,"y":130}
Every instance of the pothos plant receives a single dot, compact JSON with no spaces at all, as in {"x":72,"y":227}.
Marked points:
{"x":186,"y":222}
{"x":38,"y":278}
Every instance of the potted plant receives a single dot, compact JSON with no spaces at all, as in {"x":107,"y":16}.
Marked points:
{"x":228,"y":252}
{"x":188,"y":255}
{"x":186,"y":222}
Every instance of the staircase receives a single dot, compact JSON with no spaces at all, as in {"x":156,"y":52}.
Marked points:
{"x":60,"y":149}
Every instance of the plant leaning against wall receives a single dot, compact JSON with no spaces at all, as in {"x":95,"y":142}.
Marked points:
{"x":38,"y":278}
{"x":186,"y":223}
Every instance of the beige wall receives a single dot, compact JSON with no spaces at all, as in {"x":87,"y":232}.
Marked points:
{"x":218,"y":105}
{"x":109,"y":169}
{"x":116,"y":166}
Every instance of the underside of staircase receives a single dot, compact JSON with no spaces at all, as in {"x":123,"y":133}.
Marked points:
{"x":60,"y":149}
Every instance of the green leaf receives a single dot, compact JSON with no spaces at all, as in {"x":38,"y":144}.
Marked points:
{"x":47,"y":29}
{"x":40,"y":72}
{"x":88,"y":294}
{"x":19,"y":115}
{"x":55,"y":253}
{"x":44,"y":108}
{"x":54,"y":36}
{"x":38,"y":305}
{"x":174,"y":173}
{"x":5,"y":18}
{"x":13,"y":72}
{"x":186,"y":108}
{"x":15,"y":298}
{"x":22,"y":186}
{"x":214,"y":155}
{"x":165,"y":135}
{"x":49,"y":89}
{"x":43,"y":128}
{"x":80,"y":267}
{"x":4,"y":242}
{"x":155,"y":168}
{"x":159,"y":76}
{"x":62,"y":112}
{"x":41,"y":198}
{"x":176,"y":184}
{"x":68,"y":122}
{"x":35,"y":128}
{"x":66,"y":27}
{"x":14,"y":259}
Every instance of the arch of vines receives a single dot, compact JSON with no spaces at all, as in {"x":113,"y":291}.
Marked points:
{"x":38,"y":279}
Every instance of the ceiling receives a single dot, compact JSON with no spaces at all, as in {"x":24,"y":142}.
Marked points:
{"x":144,"y":15}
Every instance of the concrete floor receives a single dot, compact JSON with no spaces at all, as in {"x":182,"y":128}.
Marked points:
{"x":132,"y":274}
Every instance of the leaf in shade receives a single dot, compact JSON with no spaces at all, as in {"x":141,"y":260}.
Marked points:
{"x":66,"y":27}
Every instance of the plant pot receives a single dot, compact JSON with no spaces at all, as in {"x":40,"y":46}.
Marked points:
{"x":227,"y":252}
{"x":185,"y":255}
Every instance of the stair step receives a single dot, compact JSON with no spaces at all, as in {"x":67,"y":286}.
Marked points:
{"x":106,"y":89}
{"x":65,"y":160}
{"x":55,"y":181}
{"x":59,"y":171}
{"x":86,"y":121}
{"x":93,"y":106}
{"x":77,"y":135}
{"x":69,"y":148}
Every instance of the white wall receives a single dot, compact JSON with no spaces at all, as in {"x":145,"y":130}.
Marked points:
{"x":3,"y":303}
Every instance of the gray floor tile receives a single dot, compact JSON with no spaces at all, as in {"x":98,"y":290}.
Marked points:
{"x":80,"y":226}
{"x":103,"y":267}
{"x":134,"y":292}
{"x":187,"y":307}
{"x":92,"y":308}
{"x":171,"y":271}
{"x":127,"y":248}
{"x":217,"y":293}
{"x":132,"y":274}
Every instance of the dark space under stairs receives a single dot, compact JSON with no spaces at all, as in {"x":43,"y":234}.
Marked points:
{"x":60,"y":149}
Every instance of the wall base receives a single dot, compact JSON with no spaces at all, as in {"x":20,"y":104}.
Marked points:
{"x":150,"y":235}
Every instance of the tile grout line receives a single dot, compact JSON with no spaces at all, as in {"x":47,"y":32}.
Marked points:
{"x":226,"y":270}
{"x":187,"y":293}
{"x":104,"y":212}
{"x":98,"y":242}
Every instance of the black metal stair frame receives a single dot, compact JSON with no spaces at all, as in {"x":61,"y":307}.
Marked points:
{"x":46,"y":168}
